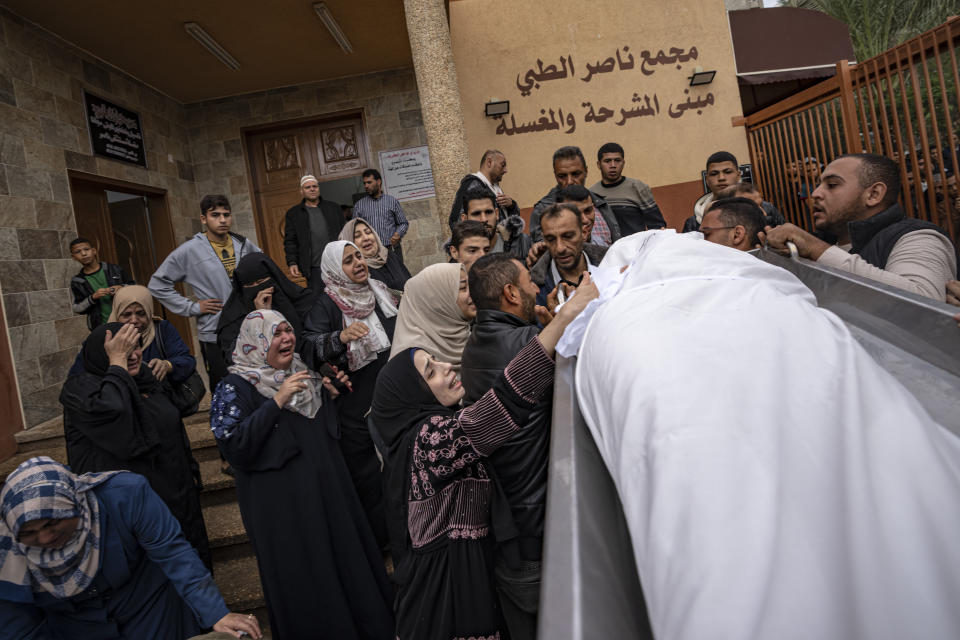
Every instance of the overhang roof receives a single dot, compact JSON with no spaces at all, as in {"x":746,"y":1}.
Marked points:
{"x":784,"y":43}
{"x":278,"y":43}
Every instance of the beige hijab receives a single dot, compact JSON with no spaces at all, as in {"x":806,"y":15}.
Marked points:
{"x":429,"y":317}
{"x":124,"y":297}
{"x":377,"y":260}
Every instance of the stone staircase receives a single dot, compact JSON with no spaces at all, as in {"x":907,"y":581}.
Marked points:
{"x":234,"y":565}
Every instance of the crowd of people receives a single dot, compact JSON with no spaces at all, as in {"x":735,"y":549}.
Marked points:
{"x":372,"y":419}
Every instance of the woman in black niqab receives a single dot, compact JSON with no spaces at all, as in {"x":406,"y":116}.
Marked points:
{"x":113,"y":420}
{"x":254,"y":273}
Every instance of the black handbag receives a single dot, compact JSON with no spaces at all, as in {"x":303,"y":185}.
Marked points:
{"x":185,"y":395}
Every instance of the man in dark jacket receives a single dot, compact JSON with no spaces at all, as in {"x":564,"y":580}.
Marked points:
{"x":308,"y":227}
{"x":93,"y":287}
{"x":504,"y":294}
{"x":568,"y":255}
{"x":493,"y":166}
{"x":866,"y":232}
{"x":569,"y":168}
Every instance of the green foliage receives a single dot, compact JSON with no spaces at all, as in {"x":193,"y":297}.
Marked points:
{"x":877,"y":25}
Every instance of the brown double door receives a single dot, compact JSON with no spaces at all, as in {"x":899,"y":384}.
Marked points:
{"x":333,"y":149}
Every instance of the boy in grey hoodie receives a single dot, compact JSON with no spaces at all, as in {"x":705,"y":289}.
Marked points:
{"x":205,"y":262}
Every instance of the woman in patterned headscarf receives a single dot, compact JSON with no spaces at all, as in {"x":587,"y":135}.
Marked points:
{"x":384,"y":265}
{"x":274,"y":420}
{"x":351,"y":326}
{"x":100,"y":556}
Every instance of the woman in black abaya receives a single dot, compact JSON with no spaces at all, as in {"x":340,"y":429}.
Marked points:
{"x":444,"y":510}
{"x":321,"y":569}
{"x":117,"y":416}
{"x":351,"y":326}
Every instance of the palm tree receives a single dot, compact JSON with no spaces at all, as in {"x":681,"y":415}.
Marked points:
{"x":877,"y":25}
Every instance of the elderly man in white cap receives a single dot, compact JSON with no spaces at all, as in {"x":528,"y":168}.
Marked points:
{"x":308,"y":227}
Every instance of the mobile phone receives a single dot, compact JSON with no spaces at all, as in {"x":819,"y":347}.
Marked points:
{"x":327,"y":371}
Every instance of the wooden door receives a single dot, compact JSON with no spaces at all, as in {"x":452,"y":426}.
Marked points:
{"x":132,"y":239}
{"x":9,"y":392}
{"x":137,"y":233}
{"x":92,"y":213}
{"x":329,"y":149}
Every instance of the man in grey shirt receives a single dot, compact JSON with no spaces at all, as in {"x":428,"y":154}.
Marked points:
{"x":308,"y":227}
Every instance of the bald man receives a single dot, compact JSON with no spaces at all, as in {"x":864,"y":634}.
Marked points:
{"x":308,"y":227}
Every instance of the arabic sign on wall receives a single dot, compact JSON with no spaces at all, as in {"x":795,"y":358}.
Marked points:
{"x":617,"y":72}
{"x":115,"y":132}
{"x":617,"y":111}
{"x":406,"y":173}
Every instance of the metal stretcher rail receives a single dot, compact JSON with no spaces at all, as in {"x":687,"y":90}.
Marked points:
{"x":590,"y":586}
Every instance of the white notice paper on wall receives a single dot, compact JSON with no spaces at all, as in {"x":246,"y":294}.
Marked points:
{"x":406,"y":173}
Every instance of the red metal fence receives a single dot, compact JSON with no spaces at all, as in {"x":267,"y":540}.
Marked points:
{"x":904,"y":103}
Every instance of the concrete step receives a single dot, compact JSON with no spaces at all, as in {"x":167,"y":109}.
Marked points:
{"x":218,"y":487}
{"x":43,"y":436}
{"x":224,"y":525}
{"x":239,"y":582}
{"x":57,"y":451}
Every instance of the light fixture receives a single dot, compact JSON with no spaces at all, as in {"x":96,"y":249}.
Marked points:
{"x":332,"y":26}
{"x":210,"y":44}
{"x":701,"y":77}
{"x":496,"y":108}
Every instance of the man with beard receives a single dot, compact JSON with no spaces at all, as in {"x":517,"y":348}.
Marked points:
{"x":493,"y":166}
{"x":506,"y":322}
{"x":569,"y":168}
{"x":568,"y":255}
{"x":865,"y":230}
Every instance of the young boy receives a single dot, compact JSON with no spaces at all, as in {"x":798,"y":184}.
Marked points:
{"x":205,"y":262}
{"x":93,"y":287}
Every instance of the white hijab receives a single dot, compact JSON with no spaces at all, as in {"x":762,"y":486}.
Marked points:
{"x":358,"y":302}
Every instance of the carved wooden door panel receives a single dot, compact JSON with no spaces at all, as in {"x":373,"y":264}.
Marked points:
{"x":341,"y":148}
{"x":329,"y":148}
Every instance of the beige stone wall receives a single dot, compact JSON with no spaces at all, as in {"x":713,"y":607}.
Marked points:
{"x":391,"y":105}
{"x":42,"y":134}
{"x":496,"y":43}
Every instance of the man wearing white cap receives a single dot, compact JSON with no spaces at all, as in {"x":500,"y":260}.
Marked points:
{"x":308,"y":227}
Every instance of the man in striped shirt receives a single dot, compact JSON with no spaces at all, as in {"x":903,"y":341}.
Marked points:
{"x":382,"y":211}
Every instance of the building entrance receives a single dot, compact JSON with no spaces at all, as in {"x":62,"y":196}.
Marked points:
{"x":333,"y":149}
{"x":129,"y":225}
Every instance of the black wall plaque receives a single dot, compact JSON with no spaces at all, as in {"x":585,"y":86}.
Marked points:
{"x":115,"y":132}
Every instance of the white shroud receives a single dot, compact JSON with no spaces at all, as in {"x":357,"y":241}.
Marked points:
{"x":777,"y":483}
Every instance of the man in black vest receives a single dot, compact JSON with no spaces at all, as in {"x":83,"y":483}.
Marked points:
{"x":865,"y":231}
{"x":308,"y":227}
{"x":506,"y":322}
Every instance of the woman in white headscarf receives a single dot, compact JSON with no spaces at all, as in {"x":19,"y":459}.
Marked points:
{"x":321,"y":569}
{"x":436,"y":313}
{"x":351,"y":327}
